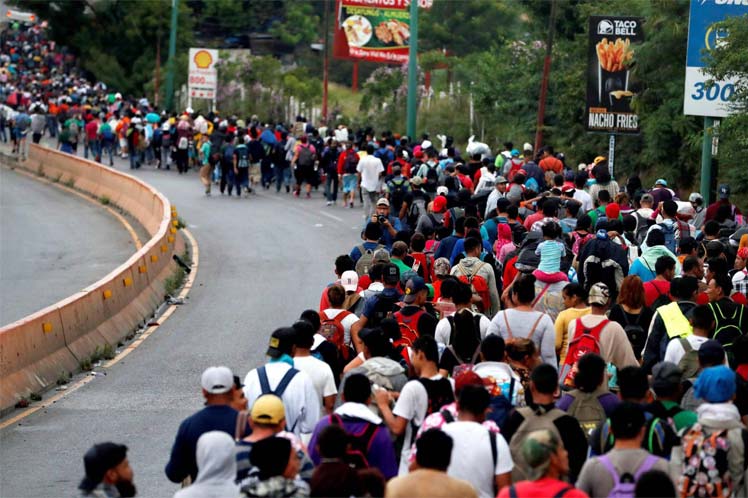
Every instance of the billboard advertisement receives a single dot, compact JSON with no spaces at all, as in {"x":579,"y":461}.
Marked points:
{"x":202,"y":77}
{"x":699,"y":99}
{"x":611,"y":85}
{"x":373,"y":30}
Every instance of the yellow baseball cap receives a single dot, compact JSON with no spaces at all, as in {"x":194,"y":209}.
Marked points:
{"x":268,"y":409}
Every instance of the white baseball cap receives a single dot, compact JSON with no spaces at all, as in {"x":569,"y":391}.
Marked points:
{"x":349,"y":281}
{"x":442,"y":190}
{"x":217,"y":380}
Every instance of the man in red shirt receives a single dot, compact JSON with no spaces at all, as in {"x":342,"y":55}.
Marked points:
{"x":724,"y":200}
{"x":660,"y":286}
{"x":92,"y":138}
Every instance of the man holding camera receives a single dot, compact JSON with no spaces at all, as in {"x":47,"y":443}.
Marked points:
{"x":390,"y":224}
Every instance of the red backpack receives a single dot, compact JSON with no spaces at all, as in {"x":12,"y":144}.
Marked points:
{"x":585,"y":341}
{"x":408,"y":328}
{"x":478,"y":285}
{"x":332,"y":330}
{"x":426,"y":262}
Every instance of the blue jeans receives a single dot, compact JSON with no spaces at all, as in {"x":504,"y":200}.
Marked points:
{"x":52,"y":126}
{"x":134,"y":159}
{"x":282,"y":176}
{"x":93,"y":146}
{"x":108,"y":147}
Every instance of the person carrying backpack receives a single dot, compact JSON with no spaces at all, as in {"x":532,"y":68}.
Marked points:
{"x":730,"y":318}
{"x":303,"y":162}
{"x":595,"y":333}
{"x":616,"y":473}
{"x":480,"y":276}
{"x":659,"y":435}
{"x":427,"y":394}
{"x":716,"y":445}
{"x":542,"y":414}
{"x":396,"y":189}
{"x":602,"y":260}
{"x":666,"y":385}
{"x":671,"y":321}
{"x":413,"y":319}
{"x":294,"y":387}
{"x":502,"y":383}
{"x":363,"y":254}
{"x":591,"y":402}
{"x":369,"y":442}
{"x":479,"y":456}
{"x":546,"y":456}
{"x":379,"y":306}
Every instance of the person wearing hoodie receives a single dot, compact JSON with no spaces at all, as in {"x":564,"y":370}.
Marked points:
{"x":645,"y":265}
{"x":216,"y":468}
{"x":378,"y":364}
{"x":718,"y":419}
{"x":362,"y":425}
{"x":471,"y":266}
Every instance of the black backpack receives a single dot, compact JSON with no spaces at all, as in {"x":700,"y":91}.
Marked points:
{"x":350,"y":164}
{"x":439,"y":393}
{"x":358,"y":444}
{"x":432,"y":178}
{"x":385,"y":307}
{"x":397,"y":193}
{"x":642,"y":227}
{"x":636,"y":334}
{"x":306,"y":157}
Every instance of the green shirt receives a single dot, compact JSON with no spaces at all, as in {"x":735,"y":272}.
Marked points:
{"x":685,"y":418}
{"x":205,"y":150}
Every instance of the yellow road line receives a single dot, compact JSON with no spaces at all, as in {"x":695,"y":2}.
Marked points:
{"x":122,"y":219}
{"x":129,"y":349}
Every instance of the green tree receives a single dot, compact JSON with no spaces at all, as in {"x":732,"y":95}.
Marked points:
{"x":729,"y":61}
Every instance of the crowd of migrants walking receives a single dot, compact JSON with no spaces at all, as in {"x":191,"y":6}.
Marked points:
{"x":508,"y":325}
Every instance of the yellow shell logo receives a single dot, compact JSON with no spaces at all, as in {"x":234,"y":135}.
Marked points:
{"x":203,"y":60}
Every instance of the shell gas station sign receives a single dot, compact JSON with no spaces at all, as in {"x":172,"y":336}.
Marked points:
{"x":202,"y":78}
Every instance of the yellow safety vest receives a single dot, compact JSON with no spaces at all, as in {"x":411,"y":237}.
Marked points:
{"x":676,"y":323}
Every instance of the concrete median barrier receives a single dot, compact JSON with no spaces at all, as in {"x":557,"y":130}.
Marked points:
{"x":39,"y":349}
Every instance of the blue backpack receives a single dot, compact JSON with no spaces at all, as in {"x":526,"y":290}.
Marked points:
{"x":669,"y":232}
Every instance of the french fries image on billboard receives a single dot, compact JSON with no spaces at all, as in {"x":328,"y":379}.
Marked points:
{"x":614,"y":56}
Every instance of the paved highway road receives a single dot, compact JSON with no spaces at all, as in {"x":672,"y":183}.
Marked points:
{"x":52,"y":244}
{"x":262,"y":261}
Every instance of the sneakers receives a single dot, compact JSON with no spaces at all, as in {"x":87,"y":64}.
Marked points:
{"x":329,"y":203}
{"x":308,"y":195}
{"x":288,"y":189}
{"x":295,"y":193}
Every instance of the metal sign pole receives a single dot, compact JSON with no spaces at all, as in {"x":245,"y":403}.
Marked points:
{"x":611,"y":153}
{"x":706,"y":161}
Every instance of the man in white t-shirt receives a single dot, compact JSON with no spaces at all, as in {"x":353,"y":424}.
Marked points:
{"x":484,"y":463}
{"x":580,"y":194}
{"x":462,"y":300}
{"x":416,"y":400}
{"x":319,"y":371}
{"x":279,"y":377}
{"x":370,"y":169}
{"x":702,"y":321}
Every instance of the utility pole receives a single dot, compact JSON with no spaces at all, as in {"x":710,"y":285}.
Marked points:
{"x":413,"y":70}
{"x":326,"y":62}
{"x":157,"y":82}
{"x":172,"y":52}
{"x":546,"y":73}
